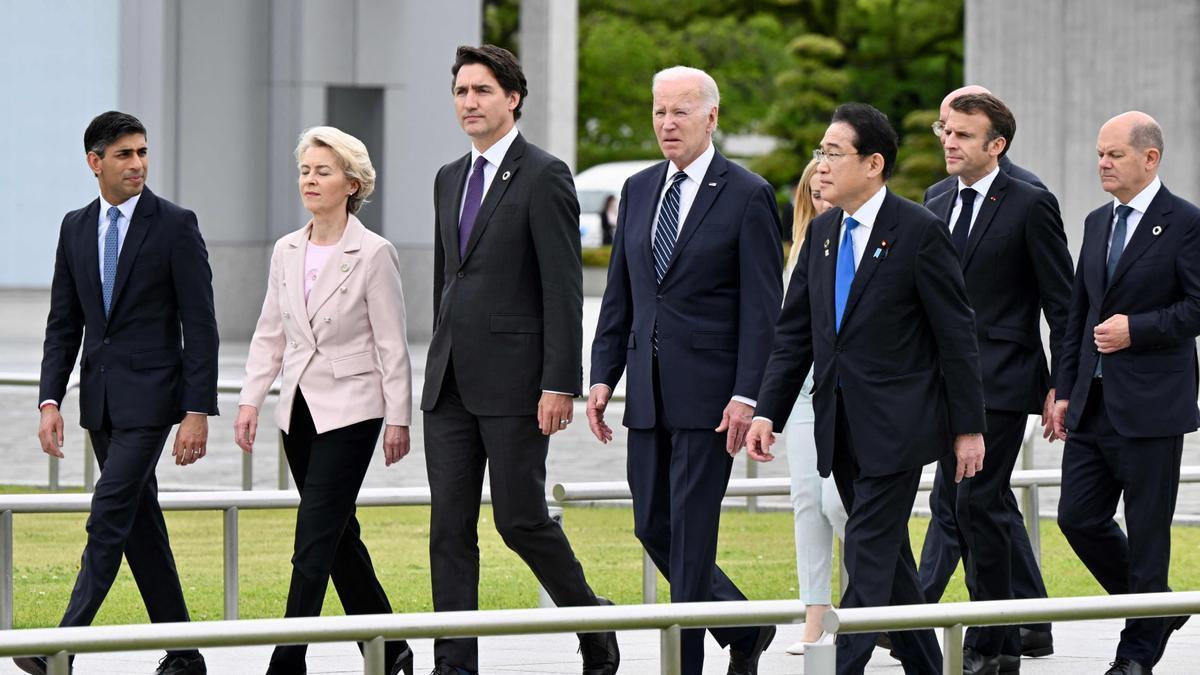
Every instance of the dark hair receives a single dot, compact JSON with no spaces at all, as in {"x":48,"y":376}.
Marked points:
{"x":873,"y":133}
{"x":504,"y":66}
{"x":107,"y":128}
{"x":1000,"y":118}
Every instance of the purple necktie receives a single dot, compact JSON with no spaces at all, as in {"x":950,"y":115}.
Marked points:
{"x":470,"y":207}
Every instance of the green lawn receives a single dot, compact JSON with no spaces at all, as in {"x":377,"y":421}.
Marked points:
{"x":757,"y":551}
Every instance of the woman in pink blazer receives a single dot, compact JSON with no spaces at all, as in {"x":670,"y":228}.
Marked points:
{"x":333,"y":323}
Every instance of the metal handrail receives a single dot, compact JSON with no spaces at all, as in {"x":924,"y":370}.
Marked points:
{"x":668,"y":619}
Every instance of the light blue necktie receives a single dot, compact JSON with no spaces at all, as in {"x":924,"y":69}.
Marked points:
{"x":1115,"y":249}
{"x":845,"y":272}
{"x":109,"y":276}
{"x":668,"y":227}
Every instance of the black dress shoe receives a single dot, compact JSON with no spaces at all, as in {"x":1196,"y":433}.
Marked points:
{"x":1173,"y":624}
{"x":601,"y":656}
{"x":1035,"y":643}
{"x":1123,"y":666}
{"x":38,"y":665}
{"x":403,"y":663}
{"x":181,"y":665}
{"x":975,"y":663}
{"x":1010,"y":664}
{"x":746,"y":663}
{"x":447,"y":669}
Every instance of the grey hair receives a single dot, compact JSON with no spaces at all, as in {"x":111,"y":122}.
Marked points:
{"x":1146,"y":135}
{"x":351,"y":152}
{"x":707,"y":86}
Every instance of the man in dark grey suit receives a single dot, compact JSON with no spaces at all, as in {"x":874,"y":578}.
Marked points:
{"x":133,"y":289}
{"x":505,"y":358}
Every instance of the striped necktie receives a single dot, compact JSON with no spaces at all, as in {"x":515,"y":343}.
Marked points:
{"x":667,"y":229}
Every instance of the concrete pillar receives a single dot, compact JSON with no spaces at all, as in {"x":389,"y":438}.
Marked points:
{"x":550,"y":58}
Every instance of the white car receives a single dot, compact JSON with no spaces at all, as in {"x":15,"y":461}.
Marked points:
{"x":593,"y":186}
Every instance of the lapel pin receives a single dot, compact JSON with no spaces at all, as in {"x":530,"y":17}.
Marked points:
{"x":345,"y":268}
{"x":712,"y":185}
{"x":826,"y":248}
{"x":506,"y":175}
{"x":882,"y":251}
{"x":1157,"y":230}
{"x":992,"y":198}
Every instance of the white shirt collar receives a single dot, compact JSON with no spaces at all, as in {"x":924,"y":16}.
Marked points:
{"x":699,"y":167}
{"x":1141,"y":201}
{"x":499,"y":149}
{"x":981,"y":186}
{"x":869,"y":211}
{"x":126,"y":208}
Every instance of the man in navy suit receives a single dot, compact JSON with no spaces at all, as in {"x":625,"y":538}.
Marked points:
{"x":688,"y":315}
{"x":1010,"y":239}
{"x":133,"y":286}
{"x":1127,"y":381}
{"x":941,"y":552}
{"x":877,"y":307}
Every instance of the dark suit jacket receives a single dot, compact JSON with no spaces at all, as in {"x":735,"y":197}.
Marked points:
{"x":716,"y":307}
{"x":155,"y":357}
{"x":510,"y":313}
{"x":906,"y":358}
{"x":1149,"y":387}
{"x":1006,"y":166}
{"x":1016,"y":265}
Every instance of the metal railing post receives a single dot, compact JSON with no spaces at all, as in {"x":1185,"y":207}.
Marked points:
{"x":820,"y":659}
{"x":247,"y":471}
{"x":59,"y":663}
{"x":52,"y":479}
{"x":843,"y":573}
{"x":672,"y":656}
{"x":231,"y":563}
{"x":544,"y":599}
{"x":952,"y":648}
{"x":751,"y":472}
{"x":373,"y":657}
{"x":283,"y":465}
{"x":89,"y":463}
{"x":649,"y":579}
{"x":6,"y":570}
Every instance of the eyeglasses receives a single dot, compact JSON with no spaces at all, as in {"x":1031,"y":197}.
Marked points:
{"x":821,"y":156}
{"x":938,"y":128}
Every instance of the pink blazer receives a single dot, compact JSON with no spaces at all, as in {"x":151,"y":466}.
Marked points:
{"x":346,"y":347}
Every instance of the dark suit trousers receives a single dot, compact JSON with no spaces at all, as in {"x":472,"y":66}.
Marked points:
{"x":983,"y":525}
{"x":678,"y":479}
{"x":878,"y":556}
{"x":941,"y":551}
{"x":1098,"y":466}
{"x":458,"y":447}
{"x":125,"y":518}
{"x":329,"y":470}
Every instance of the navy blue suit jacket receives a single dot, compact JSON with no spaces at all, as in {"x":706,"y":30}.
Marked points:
{"x":715,"y":309}
{"x":1149,"y":387}
{"x":155,"y":357}
{"x":1006,"y":166}
{"x":1016,"y":265}
{"x":905,"y":359}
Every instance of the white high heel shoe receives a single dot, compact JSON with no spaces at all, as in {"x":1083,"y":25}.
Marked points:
{"x":797,"y":649}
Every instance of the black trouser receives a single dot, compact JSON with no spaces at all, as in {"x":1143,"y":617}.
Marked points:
{"x":1099,"y":465}
{"x":329,"y":470}
{"x":125,"y":519}
{"x":678,"y":478}
{"x":878,"y":556}
{"x":982,"y":525}
{"x":458,"y":447}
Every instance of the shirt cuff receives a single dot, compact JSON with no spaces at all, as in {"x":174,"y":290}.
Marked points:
{"x":599,"y":384}
{"x":193,"y":412}
{"x":748,"y":401}
{"x":47,"y":402}
{"x":564,"y":393}
{"x":765,"y":419}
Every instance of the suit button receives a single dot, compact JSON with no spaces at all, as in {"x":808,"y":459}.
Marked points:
{"x":285,"y":315}
{"x":293,"y":344}
{"x":658,"y":298}
{"x":102,"y":369}
{"x":343,"y":289}
{"x":462,"y":274}
{"x":107,"y":341}
{"x":328,"y":320}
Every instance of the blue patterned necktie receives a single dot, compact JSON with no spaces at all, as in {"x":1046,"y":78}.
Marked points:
{"x":109,"y":276}
{"x":845,"y":272}
{"x":668,"y":227}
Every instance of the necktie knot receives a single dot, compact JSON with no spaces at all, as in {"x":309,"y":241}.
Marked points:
{"x":851,"y":223}
{"x":114,"y":214}
{"x":1123,"y":211}
{"x":968,"y":197}
{"x":480,"y":163}
{"x":678,"y":178}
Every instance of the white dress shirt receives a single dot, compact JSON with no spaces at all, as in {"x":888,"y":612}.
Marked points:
{"x":981,"y":188}
{"x":865,"y":215}
{"x":687,"y":189}
{"x":1139,"y":204}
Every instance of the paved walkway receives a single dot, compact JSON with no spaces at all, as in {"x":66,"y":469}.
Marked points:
{"x":574,"y":456}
